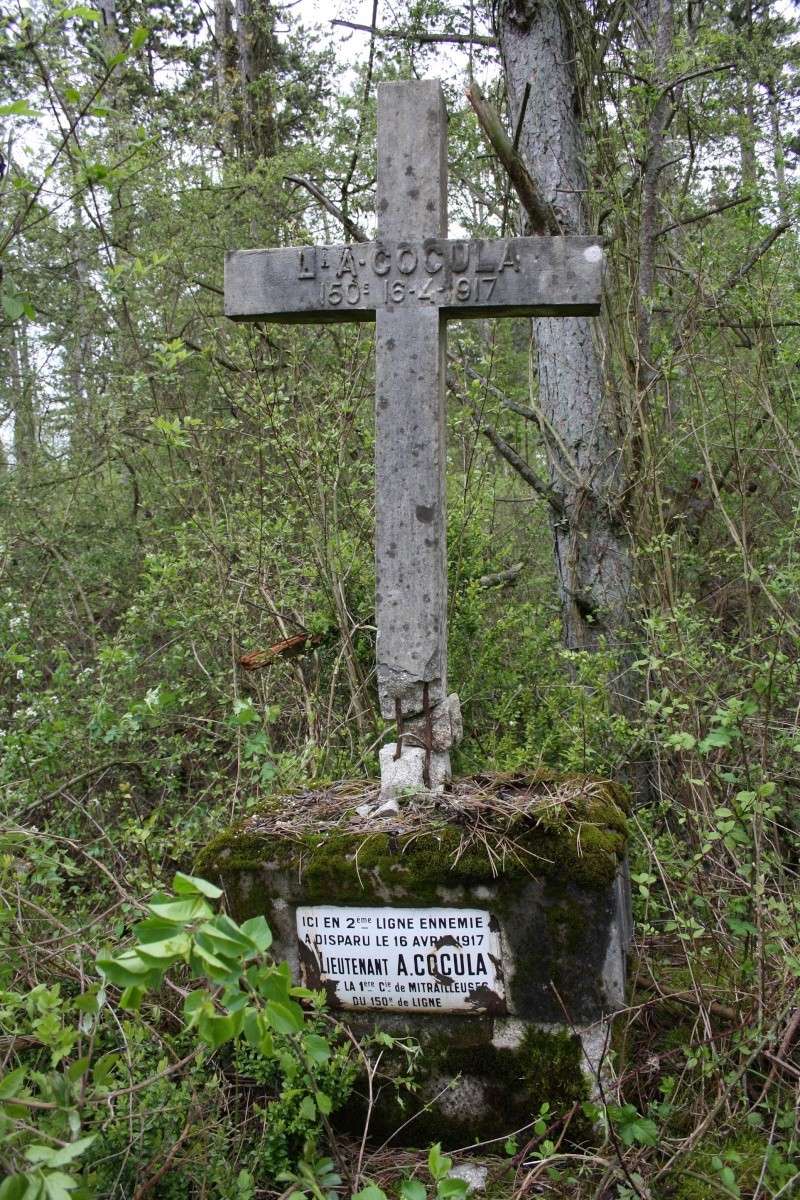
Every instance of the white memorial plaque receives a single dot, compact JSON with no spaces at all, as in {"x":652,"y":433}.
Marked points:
{"x":403,"y":959}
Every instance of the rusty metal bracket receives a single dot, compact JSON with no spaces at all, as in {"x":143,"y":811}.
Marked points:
{"x":426,"y":708}
{"x":398,"y":716}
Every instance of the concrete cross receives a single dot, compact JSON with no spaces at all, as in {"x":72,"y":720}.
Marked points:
{"x":411,"y":280}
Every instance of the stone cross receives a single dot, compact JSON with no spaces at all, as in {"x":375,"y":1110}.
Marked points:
{"x":411,"y":280}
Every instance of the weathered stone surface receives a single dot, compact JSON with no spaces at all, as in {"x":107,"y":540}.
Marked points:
{"x":522,"y":277}
{"x":406,"y":774}
{"x":447,"y":727}
{"x":410,"y":450}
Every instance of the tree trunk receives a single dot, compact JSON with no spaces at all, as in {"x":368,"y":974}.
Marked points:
{"x":255,"y":40}
{"x":22,"y":402}
{"x":578,"y":405}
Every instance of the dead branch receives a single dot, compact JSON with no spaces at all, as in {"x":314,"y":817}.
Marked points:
{"x":501,"y":578}
{"x":509,"y":454}
{"x":701,"y":216}
{"x":758,"y":252}
{"x":404,"y":35}
{"x":541,"y":216}
{"x":353,"y":231}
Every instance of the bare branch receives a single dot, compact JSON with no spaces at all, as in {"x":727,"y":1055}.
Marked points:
{"x":520,"y":409}
{"x":508,"y":453}
{"x":404,"y":35}
{"x":701,"y":216}
{"x":351,"y":229}
{"x":501,"y":578}
{"x":757,"y":253}
{"x":540,"y":214}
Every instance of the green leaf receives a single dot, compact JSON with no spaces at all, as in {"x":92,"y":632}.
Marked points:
{"x":156,"y":929}
{"x":81,"y":10}
{"x":14,"y":1187}
{"x":317,"y":1048}
{"x":182,"y":911}
{"x":370,"y":1192}
{"x":438,"y":1164}
{"x":166,"y":952}
{"x":206,"y":963}
{"x":226,"y":937}
{"x":308,"y":1110}
{"x":78,"y":1069}
{"x":58,"y":1186}
{"x":259,"y":932}
{"x":127,"y":970}
{"x":257,"y":1032}
{"x":324,"y":1103}
{"x":285,"y":1018}
{"x":216,"y":1031}
{"x":140,"y":36}
{"x":192,"y":885}
{"x":728,"y":1179}
{"x":11,"y":1083}
{"x":451,"y":1189}
{"x":58,"y":1158}
{"x":18,"y":108}
{"x":131,"y":998}
{"x":13,"y":306}
{"x":412,"y":1189}
{"x":104,"y":1066}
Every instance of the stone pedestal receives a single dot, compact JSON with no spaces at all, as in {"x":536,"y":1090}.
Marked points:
{"x":490,"y":923}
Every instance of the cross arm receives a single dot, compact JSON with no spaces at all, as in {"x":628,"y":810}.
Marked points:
{"x":534,"y":276}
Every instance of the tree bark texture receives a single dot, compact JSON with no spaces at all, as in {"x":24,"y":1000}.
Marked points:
{"x":255,"y":40}
{"x":578,"y":406}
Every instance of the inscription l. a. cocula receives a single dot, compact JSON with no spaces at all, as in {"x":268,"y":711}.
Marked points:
{"x":459,"y":278}
{"x":407,"y":258}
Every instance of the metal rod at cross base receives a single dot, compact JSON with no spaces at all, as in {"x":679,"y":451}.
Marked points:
{"x":410,"y":281}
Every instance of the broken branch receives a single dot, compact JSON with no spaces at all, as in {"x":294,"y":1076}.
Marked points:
{"x":541,"y":216}
{"x":351,"y":229}
{"x":402,"y":35}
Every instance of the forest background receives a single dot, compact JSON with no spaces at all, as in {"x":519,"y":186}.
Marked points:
{"x":178,"y":495}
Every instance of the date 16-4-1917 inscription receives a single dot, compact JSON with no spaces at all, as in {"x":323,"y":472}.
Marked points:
{"x":462,"y":271}
{"x":521,"y":276}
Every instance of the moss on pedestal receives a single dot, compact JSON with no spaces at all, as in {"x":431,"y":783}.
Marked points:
{"x":572,"y":830}
{"x":481,"y":1090}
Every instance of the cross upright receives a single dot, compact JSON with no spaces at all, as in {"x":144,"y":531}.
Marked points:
{"x":410,"y":281}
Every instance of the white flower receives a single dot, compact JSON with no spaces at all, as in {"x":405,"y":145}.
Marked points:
{"x":20,"y":674}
